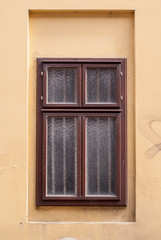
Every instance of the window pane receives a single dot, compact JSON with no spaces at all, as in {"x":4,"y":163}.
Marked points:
{"x":101,"y":156}
{"x":62,"y":85}
{"x":101,"y":85}
{"x":62,"y":156}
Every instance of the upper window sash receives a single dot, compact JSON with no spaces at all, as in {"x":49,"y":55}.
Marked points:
{"x":61,"y":85}
{"x":102,"y":85}
{"x":93,"y":85}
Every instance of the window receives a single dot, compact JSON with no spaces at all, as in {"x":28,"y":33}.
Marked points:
{"x":81,"y":132}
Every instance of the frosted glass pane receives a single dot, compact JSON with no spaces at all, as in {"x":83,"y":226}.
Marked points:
{"x":101,"y":85}
{"x":62,"y":85}
{"x":61,"y":156}
{"x":101,"y":156}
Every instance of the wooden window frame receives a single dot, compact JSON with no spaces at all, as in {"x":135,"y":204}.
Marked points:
{"x":59,"y":65}
{"x":102,"y":105}
{"x":81,"y":110}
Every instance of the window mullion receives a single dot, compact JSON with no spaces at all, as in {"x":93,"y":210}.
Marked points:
{"x":79,"y":157}
{"x":83,"y":156}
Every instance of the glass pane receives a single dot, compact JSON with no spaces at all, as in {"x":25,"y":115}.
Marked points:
{"x":101,"y":85}
{"x":61,"y":85}
{"x":62,"y":156}
{"x":101,"y":156}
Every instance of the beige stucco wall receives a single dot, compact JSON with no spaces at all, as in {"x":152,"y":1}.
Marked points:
{"x":19,"y":219}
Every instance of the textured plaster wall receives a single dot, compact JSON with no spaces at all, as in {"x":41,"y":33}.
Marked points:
{"x":14,"y":99}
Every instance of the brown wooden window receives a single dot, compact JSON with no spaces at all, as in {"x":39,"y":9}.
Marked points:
{"x":81,"y":132}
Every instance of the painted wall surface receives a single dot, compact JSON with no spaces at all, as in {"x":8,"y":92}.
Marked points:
{"x":22,"y":39}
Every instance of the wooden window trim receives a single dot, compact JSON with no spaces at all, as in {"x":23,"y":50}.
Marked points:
{"x":83,"y":110}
